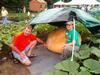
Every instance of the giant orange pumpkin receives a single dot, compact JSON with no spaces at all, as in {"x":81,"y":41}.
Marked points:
{"x":56,"y":39}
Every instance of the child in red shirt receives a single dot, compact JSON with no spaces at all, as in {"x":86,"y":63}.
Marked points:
{"x":23,"y":43}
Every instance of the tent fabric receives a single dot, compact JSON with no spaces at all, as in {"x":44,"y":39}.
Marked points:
{"x":59,"y":3}
{"x":95,"y":10}
{"x":81,"y":2}
{"x":78,"y":2}
{"x":58,"y":15}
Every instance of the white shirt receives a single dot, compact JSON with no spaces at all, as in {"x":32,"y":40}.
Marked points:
{"x":4,"y":13}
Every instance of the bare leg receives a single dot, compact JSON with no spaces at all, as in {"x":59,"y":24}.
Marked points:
{"x":25,"y":61}
{"x":32,"y":45}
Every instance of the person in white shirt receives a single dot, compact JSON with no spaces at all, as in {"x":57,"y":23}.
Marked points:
{"x":4,"y":14}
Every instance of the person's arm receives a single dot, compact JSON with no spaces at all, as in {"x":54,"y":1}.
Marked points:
{"x":70,"y":44}
{"x":6,"y":12}
{"x":14,"y":48}
{"x":40,"y":41}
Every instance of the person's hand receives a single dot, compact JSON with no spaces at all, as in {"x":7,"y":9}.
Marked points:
{"x":66,"y":45}
{"x":22,"y":55}
{"x":44,"y":45}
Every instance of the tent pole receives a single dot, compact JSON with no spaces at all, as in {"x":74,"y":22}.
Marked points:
{"x":73,"y":39}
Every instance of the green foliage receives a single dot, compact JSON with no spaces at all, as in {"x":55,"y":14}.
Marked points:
{"x":96,"y":51}
{"x":7,"y":31}
{"x":98,"y":16}
{"x":86,"y":51}
{"x":84,"y":73}
{"x":81,"y":28}
{"x":92,"y":65}
{"x":18,"y":16}
{"x":68,"y":66}
{"x":83,"y":69}
{"x":83,"y":54}
{"x":13,"y":4}
{"x":44,"y":28}
{"x":95,"y":39}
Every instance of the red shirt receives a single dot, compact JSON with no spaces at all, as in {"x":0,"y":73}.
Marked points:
{"x":21,"y":41}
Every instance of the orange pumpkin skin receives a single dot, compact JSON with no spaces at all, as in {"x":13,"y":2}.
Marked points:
{"x":56,"y":39}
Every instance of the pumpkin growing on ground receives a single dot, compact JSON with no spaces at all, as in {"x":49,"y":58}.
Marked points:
{"x":56,"y":39}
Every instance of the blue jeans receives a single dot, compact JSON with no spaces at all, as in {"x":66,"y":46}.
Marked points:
{"x":17,"y":56}
{"x":4,"y":20}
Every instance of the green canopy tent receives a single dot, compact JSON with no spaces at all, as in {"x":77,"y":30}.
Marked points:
{"x":58,"y":17}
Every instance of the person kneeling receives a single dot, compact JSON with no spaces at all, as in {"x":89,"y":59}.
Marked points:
{"x":23,"y":43}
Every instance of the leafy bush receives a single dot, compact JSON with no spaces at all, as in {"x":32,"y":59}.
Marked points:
{"x":7,"y":31}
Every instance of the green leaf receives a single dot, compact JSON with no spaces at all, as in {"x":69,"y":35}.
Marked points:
{"x":83,"y":68}
{"x":84,"y":47}
{"x":57,"y":72}
{"x":92,"y":65}
{"x":96,"y":51}
{"x":84,"y":73}
{"x":83,"y":54}
{"x":95,"y":40}
{"x":67,"y":65}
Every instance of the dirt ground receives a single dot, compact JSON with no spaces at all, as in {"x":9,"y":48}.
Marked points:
{"x":7,"y":67}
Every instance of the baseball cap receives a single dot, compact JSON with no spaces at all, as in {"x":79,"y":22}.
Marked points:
{"x":69,"y":22}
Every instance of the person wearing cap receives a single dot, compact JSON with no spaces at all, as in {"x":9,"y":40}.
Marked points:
{"x":23,"y":44}
{"x":70,"y":40}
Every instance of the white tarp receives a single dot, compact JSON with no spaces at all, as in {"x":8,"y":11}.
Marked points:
{"x":80,"y":2}
{"x":59,"y":3}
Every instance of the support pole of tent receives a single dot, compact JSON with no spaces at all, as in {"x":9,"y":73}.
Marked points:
{"x":73,"y":39}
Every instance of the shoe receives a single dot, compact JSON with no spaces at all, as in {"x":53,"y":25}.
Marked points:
{"x":32,"y":56}
{"x":16,"y":61}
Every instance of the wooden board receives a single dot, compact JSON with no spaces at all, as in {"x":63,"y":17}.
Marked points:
{"x":56,"y":39}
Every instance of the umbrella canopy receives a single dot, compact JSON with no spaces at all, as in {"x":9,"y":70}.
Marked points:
{"x":58,"y":17}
